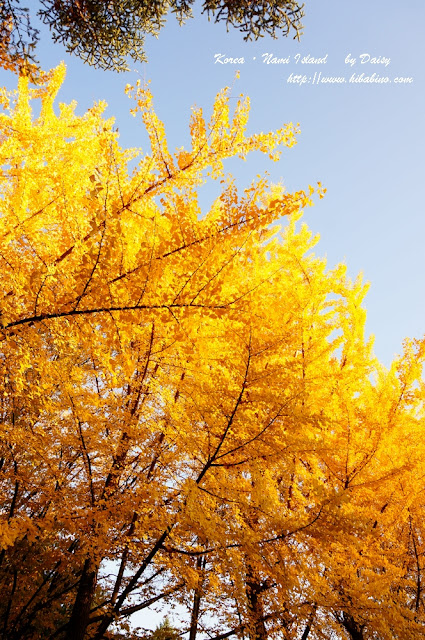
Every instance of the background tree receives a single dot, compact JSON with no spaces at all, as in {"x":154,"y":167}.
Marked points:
{"x":17,"y":37}
{"x":164,"y":631}
{"x":104,"y":34}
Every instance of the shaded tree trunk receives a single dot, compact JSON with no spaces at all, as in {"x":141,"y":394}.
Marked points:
{"x":79,"y":619}
{"x":200,"y":565}
{"x":353,"y":628}
{"x":257,"y":628}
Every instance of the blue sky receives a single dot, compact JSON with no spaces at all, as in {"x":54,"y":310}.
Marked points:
{"x":363,"y":141}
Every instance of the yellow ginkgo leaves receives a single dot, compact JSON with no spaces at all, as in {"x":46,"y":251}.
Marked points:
{"x":189,"y":410}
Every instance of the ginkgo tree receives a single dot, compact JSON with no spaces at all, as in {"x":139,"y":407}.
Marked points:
{"x":190,"y":412}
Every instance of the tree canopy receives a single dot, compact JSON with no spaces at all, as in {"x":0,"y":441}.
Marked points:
{"x":190,"y":412}
{"x":104,"y":34}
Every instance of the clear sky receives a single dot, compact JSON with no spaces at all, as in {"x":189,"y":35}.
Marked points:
{"x":364,"y":141}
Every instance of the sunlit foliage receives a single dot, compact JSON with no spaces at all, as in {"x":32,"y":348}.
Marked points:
{"x":190,"y":412}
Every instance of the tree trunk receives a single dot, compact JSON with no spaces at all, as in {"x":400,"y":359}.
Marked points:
{"x":200,"y":565}
{"x":257,"y":628}
{"x":353,"y":628}
{"x":79,"y":619}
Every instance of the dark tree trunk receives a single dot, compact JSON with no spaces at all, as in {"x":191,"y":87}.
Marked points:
{"x":200,"y":565}
{"x":353,"y":628}
{"x":79,"y":620}
{"x":257,"y":628}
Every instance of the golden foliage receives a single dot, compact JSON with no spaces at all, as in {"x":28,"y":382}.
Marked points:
{"x":189,"y":408}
